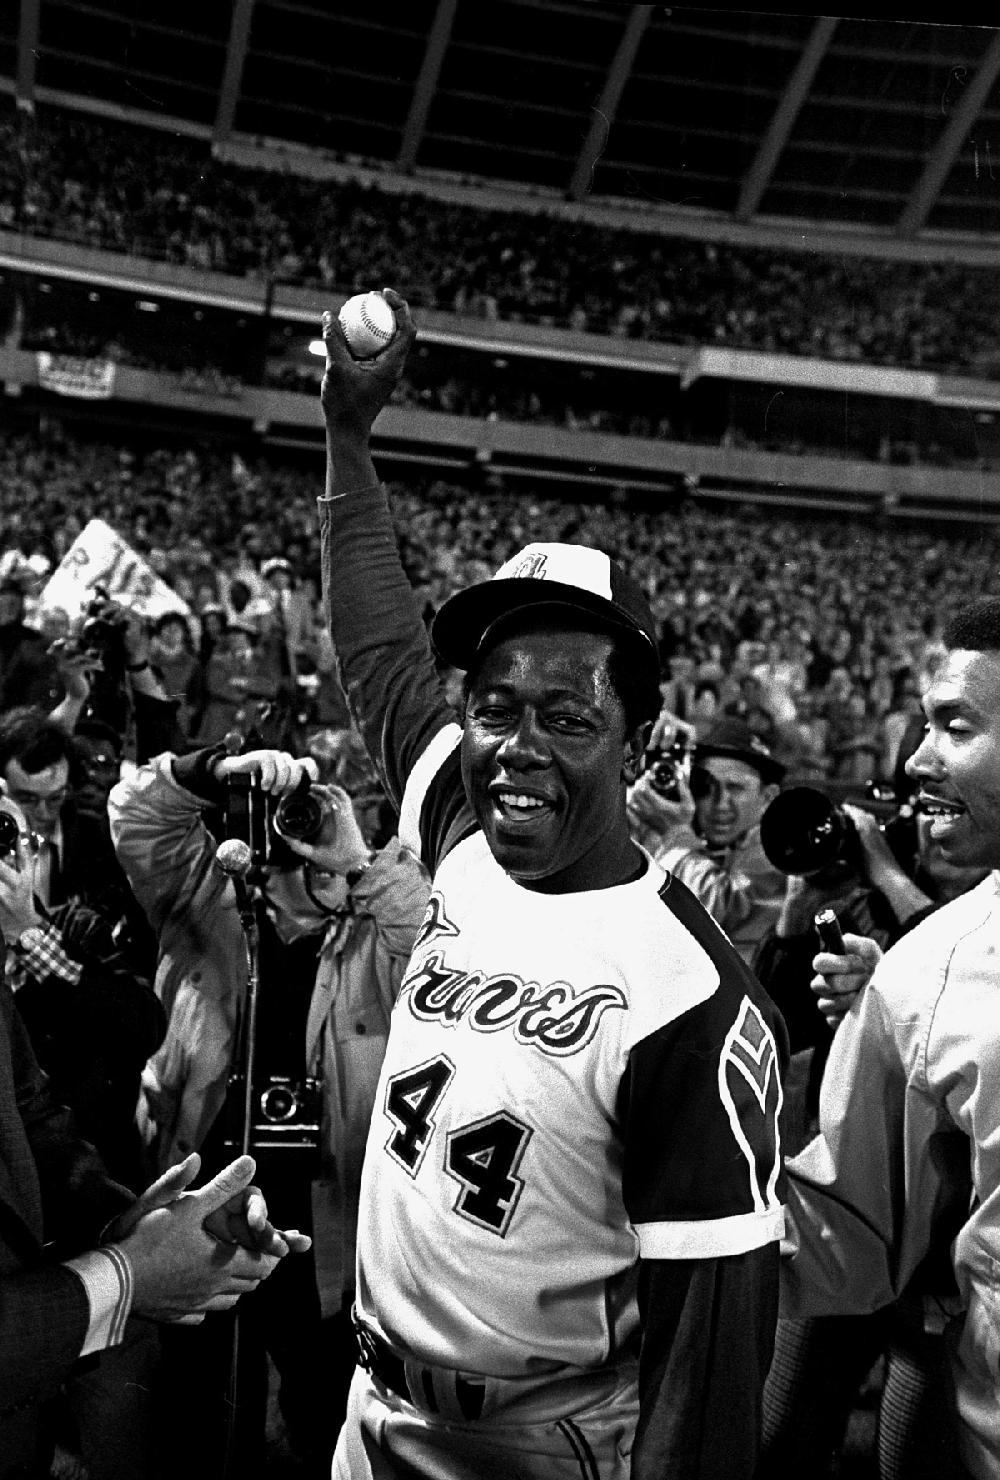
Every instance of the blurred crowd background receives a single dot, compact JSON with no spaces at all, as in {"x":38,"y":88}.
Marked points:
{"x":817,"y":631}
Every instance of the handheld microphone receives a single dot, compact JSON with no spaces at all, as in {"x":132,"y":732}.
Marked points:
{"x":234,"y":858}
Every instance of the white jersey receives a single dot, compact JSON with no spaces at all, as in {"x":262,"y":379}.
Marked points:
{"x":577,"y":1088}
{"x":555,"y":1062}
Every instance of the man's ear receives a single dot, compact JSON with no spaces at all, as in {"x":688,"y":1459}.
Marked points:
{"x":635,"y":746}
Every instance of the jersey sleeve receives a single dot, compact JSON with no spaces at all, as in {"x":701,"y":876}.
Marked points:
{"x":388,"y":671}
{"x":707,"y":1343}
{"x":703,"y":1174}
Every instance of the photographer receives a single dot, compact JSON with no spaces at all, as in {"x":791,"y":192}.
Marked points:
{"x":835,"y":858}
{"x":44,"y":771}
{"x":92,"y":1024}
{"x":336,"y":924}
{"x":709,"y":835}
{"x":936,"y":880}
{"x":108,"y":678}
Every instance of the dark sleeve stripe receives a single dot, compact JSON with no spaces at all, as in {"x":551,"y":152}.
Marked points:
{"x":696,"y":920}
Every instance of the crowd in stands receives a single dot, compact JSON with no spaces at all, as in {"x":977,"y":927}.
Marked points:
{"x":815,"y":631}
{"x":205,"y":361}
{"x":108,"y":184}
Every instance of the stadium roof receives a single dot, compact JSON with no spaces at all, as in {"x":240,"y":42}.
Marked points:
{"x":748,"y":115}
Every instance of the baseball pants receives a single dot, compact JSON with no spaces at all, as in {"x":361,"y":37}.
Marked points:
{"x":556,"y":1433}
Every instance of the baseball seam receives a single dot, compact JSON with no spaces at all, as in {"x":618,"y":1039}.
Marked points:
{"x":372,"y":327}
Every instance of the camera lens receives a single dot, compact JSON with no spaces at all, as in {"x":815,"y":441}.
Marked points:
{"x":279,"y":1102}
{"x":802,"y":831}
{"x":299,"y":816}
{"x":8,"y":833}
{"x":663,"y":779}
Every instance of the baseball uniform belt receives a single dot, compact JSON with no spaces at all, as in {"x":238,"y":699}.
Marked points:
{"x":446,"y":1393}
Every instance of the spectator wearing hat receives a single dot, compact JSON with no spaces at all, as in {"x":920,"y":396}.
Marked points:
{"x":709,"y":836}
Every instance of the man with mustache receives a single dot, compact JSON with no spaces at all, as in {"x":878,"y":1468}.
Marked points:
{"x":905,"y":1172}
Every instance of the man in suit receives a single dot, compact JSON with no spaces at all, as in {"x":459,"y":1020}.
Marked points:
{"x":44,"y":772}
{"x":79,"y":1255}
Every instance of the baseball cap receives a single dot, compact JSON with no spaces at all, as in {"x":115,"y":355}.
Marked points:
{"x":732,"y":736}
{"x":585,"y":580}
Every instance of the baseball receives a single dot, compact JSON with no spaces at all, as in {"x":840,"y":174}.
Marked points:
{"x":368,"y":324}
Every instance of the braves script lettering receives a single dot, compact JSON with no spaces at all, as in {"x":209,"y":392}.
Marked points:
{"x":554,"y":1018}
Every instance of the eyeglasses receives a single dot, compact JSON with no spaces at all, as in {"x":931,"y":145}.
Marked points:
{"x":31,"y":800}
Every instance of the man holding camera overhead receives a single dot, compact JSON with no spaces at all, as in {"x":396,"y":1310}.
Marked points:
{"x":708,"y":834}
{"x":335,"y":924}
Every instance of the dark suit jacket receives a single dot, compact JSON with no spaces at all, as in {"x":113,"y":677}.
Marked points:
{"x":93,"y":1038}
{"x":55,"y":1198}
{"x":90,"y":872}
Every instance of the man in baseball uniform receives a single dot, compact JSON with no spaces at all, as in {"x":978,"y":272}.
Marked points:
{"x":571,"y":1198}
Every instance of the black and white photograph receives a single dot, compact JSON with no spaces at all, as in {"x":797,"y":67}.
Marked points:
{"x":499,"y":741}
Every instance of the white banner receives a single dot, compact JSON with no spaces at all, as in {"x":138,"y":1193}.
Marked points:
{"x":71,"y":375}
{"x":100,"y":557}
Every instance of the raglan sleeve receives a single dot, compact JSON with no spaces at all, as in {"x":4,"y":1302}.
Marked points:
{"x":703,"y":1186}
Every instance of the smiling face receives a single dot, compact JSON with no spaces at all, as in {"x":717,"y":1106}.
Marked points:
{"x":545,"y":759}
{"x":958,"y":761}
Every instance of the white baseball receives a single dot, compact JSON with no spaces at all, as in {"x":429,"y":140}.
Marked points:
{"x":368,"y":324}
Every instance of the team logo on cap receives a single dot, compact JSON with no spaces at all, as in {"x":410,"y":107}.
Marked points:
{"x":532,"y":566}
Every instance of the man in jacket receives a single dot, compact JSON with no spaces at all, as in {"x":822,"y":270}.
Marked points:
{"x":708,"y":836}
{"x":79,"y":1255}
{"x":905,"y":1170}
{"x":336,"y":924}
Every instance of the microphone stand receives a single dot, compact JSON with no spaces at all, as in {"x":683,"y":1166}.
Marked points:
{"x":247,"y":897}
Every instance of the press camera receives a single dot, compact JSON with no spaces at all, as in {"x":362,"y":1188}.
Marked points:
{"x":286,"y":1114}
{"x":667,"y":765}
{"x":803,"y":831}
{"x":264,"y":821}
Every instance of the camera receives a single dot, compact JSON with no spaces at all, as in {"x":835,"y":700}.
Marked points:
{"x":103,"y":631}
{"x":665,"y":767}
{"x":803,"y":832}
{"x":264,"y":822}
{"x":9,"y":831}
{"x":286,"y":1114}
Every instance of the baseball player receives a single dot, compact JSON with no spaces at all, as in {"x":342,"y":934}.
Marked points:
{"x":571,"y":1198}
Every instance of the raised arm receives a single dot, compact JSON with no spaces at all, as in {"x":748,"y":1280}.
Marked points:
{"x":383,"y":653}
